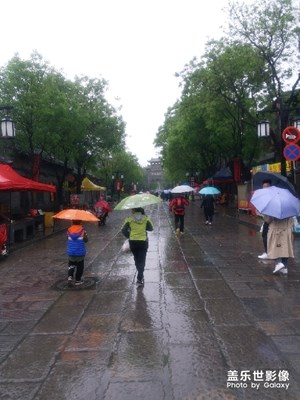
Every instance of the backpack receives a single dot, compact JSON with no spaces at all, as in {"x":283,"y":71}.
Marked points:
{"x":179,"y":206}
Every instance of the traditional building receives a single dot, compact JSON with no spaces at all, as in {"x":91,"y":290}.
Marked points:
{"x":155,"y":175}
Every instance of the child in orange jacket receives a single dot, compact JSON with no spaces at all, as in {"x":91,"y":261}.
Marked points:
{"x":76,"y":250}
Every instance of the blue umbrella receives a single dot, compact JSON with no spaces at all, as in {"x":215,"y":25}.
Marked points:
{"x":209,"y":190}
{"x":276,"y":202}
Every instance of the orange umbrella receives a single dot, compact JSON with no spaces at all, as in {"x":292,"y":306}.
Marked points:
{"x":74,"y":214}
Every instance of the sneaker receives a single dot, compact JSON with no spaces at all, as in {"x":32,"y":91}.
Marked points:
{"x":284,"y":271}
{"x":77,"y":283}
{"x":70,"y":278}
{"x":177,"y":232}
{"x":206,"y":223}
{"x":140,"y":283}
{"x":181,"y":233}
{"x":209,"y":223}
{"x":263,"y":256}
{"x":278,"y":268}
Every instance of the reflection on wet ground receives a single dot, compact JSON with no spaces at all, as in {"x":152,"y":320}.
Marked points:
{"x":208,"y":307}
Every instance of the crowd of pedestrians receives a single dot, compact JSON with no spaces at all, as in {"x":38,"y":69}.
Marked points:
{"x":277,"y":235}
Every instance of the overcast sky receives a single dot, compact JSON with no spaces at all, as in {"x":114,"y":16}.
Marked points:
{"x":137,"y":45}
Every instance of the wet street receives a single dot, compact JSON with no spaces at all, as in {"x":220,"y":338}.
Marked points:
{"x":212,"y":321}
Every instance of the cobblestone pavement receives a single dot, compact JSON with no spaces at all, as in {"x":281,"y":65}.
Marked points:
{"x":211,"y":322}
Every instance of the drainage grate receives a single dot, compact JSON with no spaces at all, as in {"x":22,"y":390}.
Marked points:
{"x":88,"y":284}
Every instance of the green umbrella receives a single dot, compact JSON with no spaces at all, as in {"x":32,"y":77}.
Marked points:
{"x":137,"y":200}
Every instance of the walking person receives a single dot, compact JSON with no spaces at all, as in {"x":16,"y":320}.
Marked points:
{"x":76,"y":250}
{"x":135,"y":229}
{"x":265,"y":227}
{"x":177,"y":206}
{"x":209,"y":208}
{"x":280,"y":243}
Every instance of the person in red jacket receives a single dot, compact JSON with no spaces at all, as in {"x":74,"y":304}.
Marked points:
{"x":177,"y":206}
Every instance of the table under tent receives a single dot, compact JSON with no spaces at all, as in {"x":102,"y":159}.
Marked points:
{"x":18,"y":198}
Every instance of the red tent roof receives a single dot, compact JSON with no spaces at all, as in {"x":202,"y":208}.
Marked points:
{"x":10,"y":180}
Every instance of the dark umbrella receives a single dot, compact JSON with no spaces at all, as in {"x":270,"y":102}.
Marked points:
{"x":275,"y":178}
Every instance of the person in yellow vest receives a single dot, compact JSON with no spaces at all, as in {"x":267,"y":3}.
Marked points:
{"x":135,"y":229}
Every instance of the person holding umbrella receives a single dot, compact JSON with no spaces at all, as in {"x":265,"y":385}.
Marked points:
{"x":76,"y":250}
{"x":135,"y":229}
{"x":265,"y":227}
{"x":208,"y":202}
{"x":77,"y":237}
{"x":136,"y":226}
{"x":102,"y":208}
{"x":177,"y":206}
{"x":278,"y":205}
{"x":280,"y":243}
{"x":208,"y":207}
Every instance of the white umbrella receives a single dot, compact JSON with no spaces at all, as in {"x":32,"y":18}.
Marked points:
{"x":182,"y":189}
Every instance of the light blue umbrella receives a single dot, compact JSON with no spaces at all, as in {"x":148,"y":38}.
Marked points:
{"x":276,"y":202}
{"x":209,"y":190}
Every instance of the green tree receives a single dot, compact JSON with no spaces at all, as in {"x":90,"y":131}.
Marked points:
{"x":215,"y":118}
{"x":230,"y":77}
{"x":101,"y":129}
{"x":272,"y":29}
{"x":23,"y":86}
{"x":65,"y":121}
{"x":119,"y":165}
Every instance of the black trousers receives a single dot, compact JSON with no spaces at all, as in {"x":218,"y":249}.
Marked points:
{"x":179,"y":222}
{"x":76,"y":267}
{"x":208,"y":214}
{"x":264,"y":236}
{"x":139,"y":250}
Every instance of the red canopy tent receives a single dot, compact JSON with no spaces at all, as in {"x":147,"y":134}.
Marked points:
{"x":10,"y":180}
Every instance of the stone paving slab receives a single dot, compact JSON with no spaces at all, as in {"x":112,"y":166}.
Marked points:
{"x":32,"y":359}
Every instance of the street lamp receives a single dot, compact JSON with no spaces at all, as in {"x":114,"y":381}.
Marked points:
{"x":117,"y":184}
{"x":263,"y":128}
{"x":7,"y":131}
{"x":112,"y":187}
{"x":296,"y":122}
{"x":7,"y":125}
{"x":263,"y":131}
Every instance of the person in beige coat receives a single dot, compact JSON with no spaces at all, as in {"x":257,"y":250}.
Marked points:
{"x":280,"y":243}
